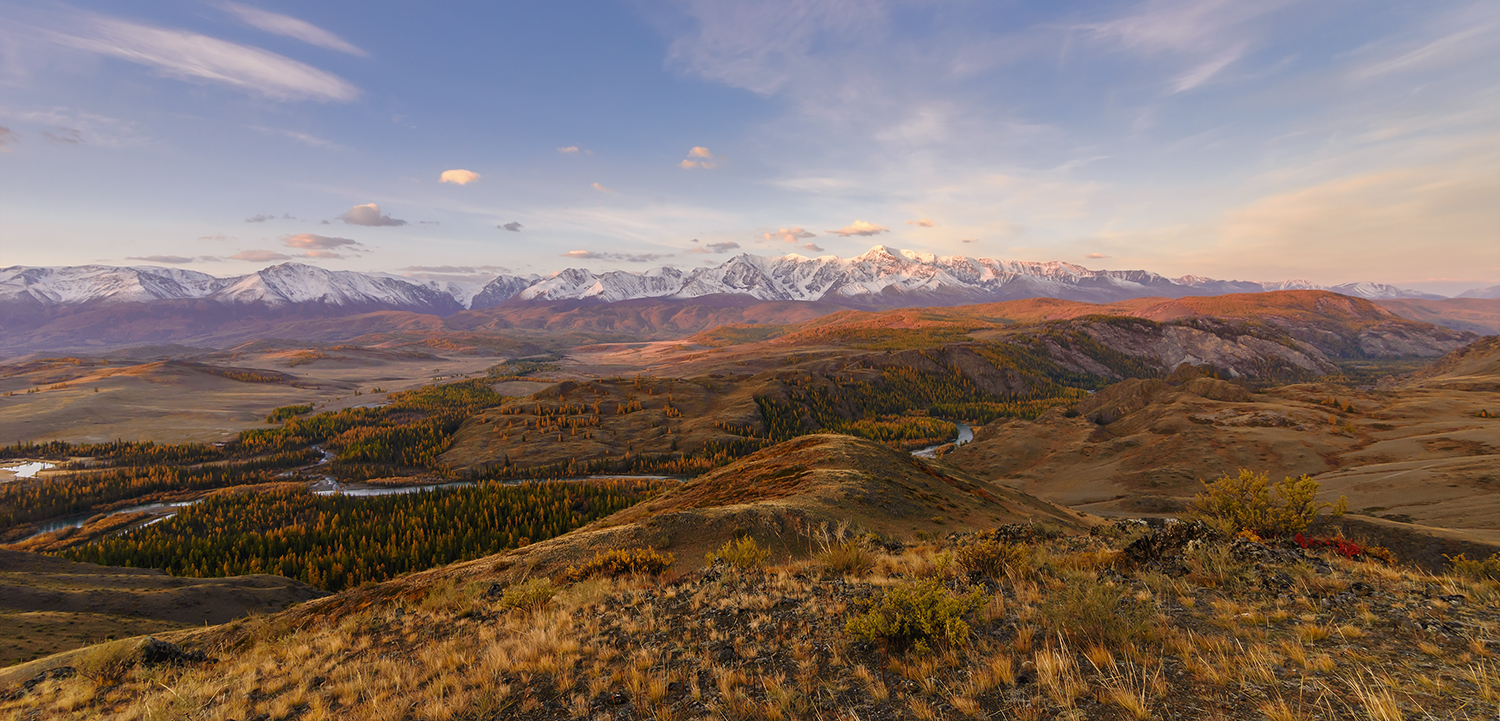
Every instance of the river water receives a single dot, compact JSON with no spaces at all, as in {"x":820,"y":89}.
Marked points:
{"x":965,"y":434}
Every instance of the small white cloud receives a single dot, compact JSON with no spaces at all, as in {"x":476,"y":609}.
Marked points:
{"x":512,"y":226}
{"x":259,"y":218}
{"x":369,"y":215}
{"x":814,"y":247}
{"x":602,"y":189}
{"x":322,"y":254}
{"x":310,"y":240}
{"x":790,"y":235}
{"x":922,"y":223}
{"x":168,"y":259}
{"x":458,"y":176}
{"x":259,"y":256}
{"x":860,"y":227}
{"x":704,"y":160}
{"x":568,"y":150}
{"x":1095,"y":256}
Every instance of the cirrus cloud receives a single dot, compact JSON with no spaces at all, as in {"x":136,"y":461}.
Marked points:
{"x":287,"y":26}
{"x":458,"y":176}
{"x":860,"y":227}
{"x":194,"y":57}
{"x":369,"y":215}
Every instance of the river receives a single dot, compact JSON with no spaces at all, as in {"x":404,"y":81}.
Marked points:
{"x":965,"y":434}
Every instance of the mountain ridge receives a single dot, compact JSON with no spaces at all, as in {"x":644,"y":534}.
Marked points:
{"x":882,"y":276}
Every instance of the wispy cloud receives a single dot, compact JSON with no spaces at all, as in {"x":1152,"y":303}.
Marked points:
{"x":814,"y":247}
{"x":7,"y":139}
{"x":190,"y":56}
{"x":291,"y":27}
{"x":602,"y":189}
{"x":307,"y":139}
{"x":617,"y":257}
{"x":259,"y":256}
{"x":922,"y":222}
{"x":168,"y":259}
{"x":1091,"y":256}
{"x":574,"y":150}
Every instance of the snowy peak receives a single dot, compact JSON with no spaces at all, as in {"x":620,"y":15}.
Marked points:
{"x":276,"y":286}
{"x":881,"y":276}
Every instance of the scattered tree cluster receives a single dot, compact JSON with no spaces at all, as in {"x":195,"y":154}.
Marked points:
{"x":335,"y":542}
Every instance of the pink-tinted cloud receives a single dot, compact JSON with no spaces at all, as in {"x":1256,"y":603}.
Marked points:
{"x":790,"y":235}
{"x":860,"y":227}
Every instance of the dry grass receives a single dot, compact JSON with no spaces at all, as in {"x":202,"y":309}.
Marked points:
{"x":770,"y":642}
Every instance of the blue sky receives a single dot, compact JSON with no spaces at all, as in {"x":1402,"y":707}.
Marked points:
{"x":1331,"y":140}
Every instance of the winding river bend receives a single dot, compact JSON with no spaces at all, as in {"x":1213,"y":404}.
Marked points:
{"x":327,"y":486}
{"x":965,"y":434}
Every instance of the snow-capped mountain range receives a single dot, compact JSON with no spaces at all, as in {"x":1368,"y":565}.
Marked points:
{"x":882,"y":276}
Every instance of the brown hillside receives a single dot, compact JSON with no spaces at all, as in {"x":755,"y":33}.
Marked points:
{"x":1337,"y":325}
{"x":48,"y":604}
{"x":1480,"y":315}
{"x":1422,"y":451}
{"x":783,"y":494}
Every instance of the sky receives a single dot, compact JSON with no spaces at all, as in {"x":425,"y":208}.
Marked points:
{"x":1328,"y":140}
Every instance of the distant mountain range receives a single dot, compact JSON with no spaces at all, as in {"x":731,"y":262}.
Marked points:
{"x":883,"y":277}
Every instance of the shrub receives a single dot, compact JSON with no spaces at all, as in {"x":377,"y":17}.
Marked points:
{"x":1088,"y":611}
{"x":621,"y":562}
{"x":285,"y":412}
{"x":1479,"y":570}
{"x":530,"y":594}
{"x":106,"y":664}
{"x":916,"y":616}
{"x":989,"y":558}
{"x":449,"y":595}
{"x":745,"y":553}
{"x":1250,"y":501}
{"x":849,"y":558}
